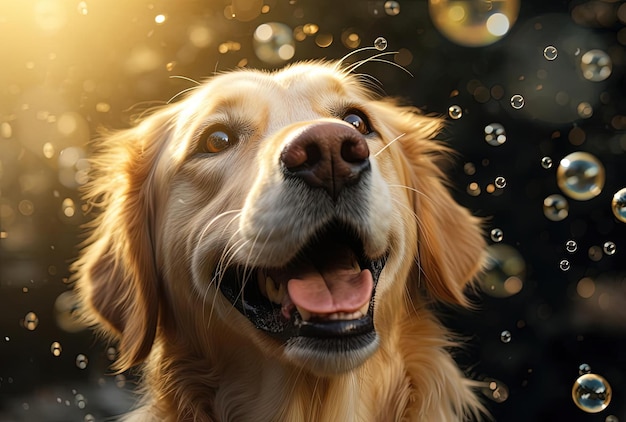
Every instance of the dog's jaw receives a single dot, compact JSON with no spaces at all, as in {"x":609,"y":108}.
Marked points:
{"x":283,"y":217}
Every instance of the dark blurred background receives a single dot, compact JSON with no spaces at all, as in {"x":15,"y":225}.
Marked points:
{"x":554,"y":296}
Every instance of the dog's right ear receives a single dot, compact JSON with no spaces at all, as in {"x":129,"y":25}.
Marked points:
{"x":116,"y":277}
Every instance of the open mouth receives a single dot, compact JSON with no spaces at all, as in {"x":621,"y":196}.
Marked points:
{"x":326,"y":292}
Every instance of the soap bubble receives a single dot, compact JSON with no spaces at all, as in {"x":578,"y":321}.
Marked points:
{"x":56,"y":348}
{"x":497,"y":235}
{"x":571,"y":246}
{"x":81,"y":361}
{"x":583,"y":369}
{"x":392,"y":8}
{"x":591,"y":393}
{"x":495,"y":135}
{"x":564,"y":265}
{"x":505,"y":336}
{"x":31,"y":321}
{"x":555,"y":207}
{"x":504,"y":271}
{"x":618,"y":205}
{"x":517,"y":101}
{"x":380,"y":43}
{"x":596,"y":65}
{"x":455,"y":112}
{"x":609,"y":248}
{"x":495,"y":390}
{"x":546,"y":162}
{"x":273,"y":43}
{"x":500,"y":182}
{"x":473,"y":23}
{"x":550,"y":52}
{"x":580,"y":176}
{"x":585,"y":110}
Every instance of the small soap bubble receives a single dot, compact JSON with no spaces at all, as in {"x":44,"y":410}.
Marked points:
{"x":596,"y":65}
{"x":585,"y":110}
{"x":580,"y":176}
{"x":550,"y":52}
{"x":31,"y":321}
{"x":611,"y":418}
{"x":564,"y":265}
{"x":455,"y":112}
{"x":80,"y":401}
{"x":380,"y":44}
{"x":56,"y":348}
{"x":505,"y":336}
{"x":517,"y":101}
{"x":495,"y":390}
{"x":591,"y":393}
{"x":583,"y":369}
{"x":546,"y":162}
{"x":495,"y":135}
{"x":618,"y":205}
{"x":81,"y":361}
{"x":500,"y":182}
{"x":89,"y":418}
{"x":392,"y":8}
{"x":497,"y":235}
{"x":609,"y":248}
{"x":571,"y":246}
{"x":555,"y":207}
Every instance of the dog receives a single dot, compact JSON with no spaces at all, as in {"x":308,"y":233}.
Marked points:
{"x":270,"y":247}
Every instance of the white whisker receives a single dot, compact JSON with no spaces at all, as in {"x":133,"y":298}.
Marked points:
{"x":389,"y":144}
{"x":375,"y":59}
{"x":185,"y":78}
{"x":181,"y":93}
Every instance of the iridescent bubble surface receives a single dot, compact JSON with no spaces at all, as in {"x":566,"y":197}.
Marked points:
{"x":596,"y":65}
{"x":550,"y":53}
{"x":546,"y":162}
{"x":580,"y":176}
{"x":517,"y":101}
{"x":380,"y":44}
{"x":555,"y":207}
{"x":583,"y":369}
{"x":571,"y":246}
{"x":609,"y":248}
{"x":495,"y":135}
{"x":497,"y":235}
{"x":591,"y":393}
{"x":618,"y":205}
{"x":455,"y":112}
{"x":473,"y":23}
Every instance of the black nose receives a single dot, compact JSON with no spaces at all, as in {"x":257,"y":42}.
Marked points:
{"x":327,"y":155}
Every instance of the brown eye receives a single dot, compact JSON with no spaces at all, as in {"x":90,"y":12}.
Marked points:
{"x":358,"y":120}
{"x":214,"y":140}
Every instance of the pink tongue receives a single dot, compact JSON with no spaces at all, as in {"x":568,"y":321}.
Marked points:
{"x":331,"y":289}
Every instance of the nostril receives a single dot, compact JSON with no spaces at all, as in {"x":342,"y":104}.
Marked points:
{"x":313,"y":154}
{"x":354,"y":150}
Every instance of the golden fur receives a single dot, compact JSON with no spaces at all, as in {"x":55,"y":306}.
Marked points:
{"x":170,"y":218}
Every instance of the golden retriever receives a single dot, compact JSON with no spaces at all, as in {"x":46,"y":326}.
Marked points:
{"x":269,"y":247}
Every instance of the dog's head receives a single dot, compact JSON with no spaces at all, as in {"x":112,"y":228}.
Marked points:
{"x":287,"y":207}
